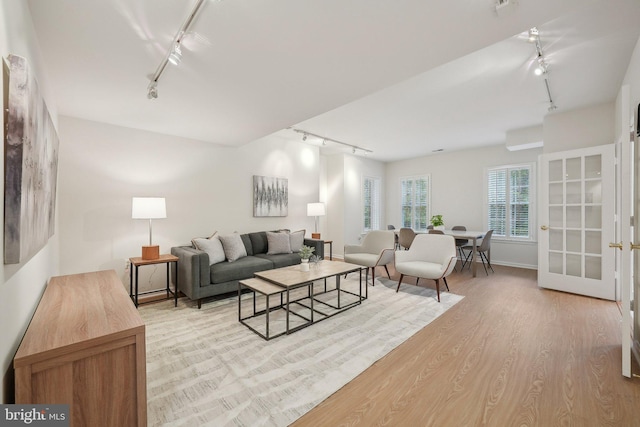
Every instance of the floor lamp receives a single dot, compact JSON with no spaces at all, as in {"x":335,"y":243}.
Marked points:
{"x":317,"y":210}
{"x":149,"y":208}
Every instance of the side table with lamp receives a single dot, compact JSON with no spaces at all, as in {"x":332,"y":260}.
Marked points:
{"x":150,"y":208}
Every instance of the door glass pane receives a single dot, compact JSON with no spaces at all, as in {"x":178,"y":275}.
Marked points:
{"x":555,"y":262}
{"x":593,"y":191}
{"x":555,"y":194}
{"x":574,"y":241}
{"x":593,"y":267}
{"x":574,"y":192}
{"x":555,"y":240}
{"x":593,"y":242}
{"x":574,"y":217}
{"x":574,"y":265}
{"x":555,"y":216}
{"x":592,"y":166}
{"x":593,"y":216}
{"x":574,"y":168}
{"x":555,"y":170}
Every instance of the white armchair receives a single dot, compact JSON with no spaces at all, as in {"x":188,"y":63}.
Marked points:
{"x":431,"y":256}
{"x":376,"y":250}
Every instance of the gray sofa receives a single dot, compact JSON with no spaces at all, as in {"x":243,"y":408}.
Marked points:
{"x":197,"y":279}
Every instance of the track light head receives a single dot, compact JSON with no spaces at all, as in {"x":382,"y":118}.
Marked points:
{"x":176,"y":55}
{"x":353,"y":150}
{"x":152,"y":91}
{"x":304,"y":136}
{"x":533,"y":35}
{"x":542,"y":66}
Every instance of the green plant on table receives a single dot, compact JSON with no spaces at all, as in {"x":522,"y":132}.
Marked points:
{"x":437,"y":220}
{"x":306,"y":251}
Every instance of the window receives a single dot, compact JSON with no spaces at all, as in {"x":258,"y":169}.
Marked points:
{"x":416,"y":206}
{"x":371,"y":201}
{"x":510,"y":197}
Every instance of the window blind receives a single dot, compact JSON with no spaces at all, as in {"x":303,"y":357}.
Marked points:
{"x":371,"y":198}
{"x":508,"y":202}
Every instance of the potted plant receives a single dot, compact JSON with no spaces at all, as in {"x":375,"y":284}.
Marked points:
{"x":305,"y":254}
{"x":437,"y":222}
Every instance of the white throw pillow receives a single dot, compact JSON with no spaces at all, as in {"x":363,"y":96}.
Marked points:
{"x":296,"y":240}
{"x":212,"y":246}
{"x":278,"y":243}
{"x":233,"y":247}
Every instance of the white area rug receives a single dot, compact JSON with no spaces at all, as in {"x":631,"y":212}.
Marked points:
{"x":205,"y":368}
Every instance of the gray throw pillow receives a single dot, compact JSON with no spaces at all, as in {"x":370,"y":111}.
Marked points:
{"x":278,"y":243}
{"x":296,"y":240}
{"x":233,"y":247}
{"x":212,"y":246}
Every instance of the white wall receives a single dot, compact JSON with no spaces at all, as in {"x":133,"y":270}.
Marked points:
{"x":632,"y":78}
{"x":585,"y":127}
{"x":207,"y":188}
{"x":344,"y":220}
{"x":22,"y":284}
{"x":457,"y":193}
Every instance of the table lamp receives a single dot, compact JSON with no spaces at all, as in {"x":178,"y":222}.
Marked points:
{"x":317,"y":210}
{"x":149,"y":208}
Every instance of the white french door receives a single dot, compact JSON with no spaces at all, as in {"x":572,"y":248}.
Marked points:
{"x":577,"y":194}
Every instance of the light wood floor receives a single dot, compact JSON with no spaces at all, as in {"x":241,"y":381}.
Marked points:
{"x":509,"y":354}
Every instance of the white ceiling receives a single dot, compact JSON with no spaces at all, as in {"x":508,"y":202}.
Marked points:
{"x":402,"y":77}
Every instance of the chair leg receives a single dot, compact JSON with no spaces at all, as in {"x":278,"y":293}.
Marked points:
{"x":417,"y":280}
{"x":487,"y":259}
{"x":438,"y":289}
{"x":483,"y":264}
{"x":445,"y":283}
{"x":373,"y":276}
{"x":466,"y":260}
{"x":385,"y":267}
{"x":399,"y":281}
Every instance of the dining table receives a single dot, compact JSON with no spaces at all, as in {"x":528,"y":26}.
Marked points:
{"x":473,"y":236}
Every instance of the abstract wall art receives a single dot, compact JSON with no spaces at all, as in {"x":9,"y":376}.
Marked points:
{"x":270,"y":196}
{"x":31,"y":165}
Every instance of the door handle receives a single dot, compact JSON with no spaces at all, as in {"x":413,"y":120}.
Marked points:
{"x":544,"y":227}
{"x":615,"y":245}
{"x":634,"y":247}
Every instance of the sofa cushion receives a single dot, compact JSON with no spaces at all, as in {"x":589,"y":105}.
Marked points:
{"x":248,"y":246}
{"x":212,"y":246}
{"x":281,"y":260}
{"x":296,"y":240}
{"x":243,"y":268}
{"x":259,"y":242}
{"x":278,"y":243}
{"x":233,"y":246}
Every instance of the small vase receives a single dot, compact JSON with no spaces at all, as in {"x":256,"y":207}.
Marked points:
{"x":304,"y":265}
{"x":439,"y":227}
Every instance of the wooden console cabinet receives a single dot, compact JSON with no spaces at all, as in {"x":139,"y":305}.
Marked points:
{"x":85,"y":347}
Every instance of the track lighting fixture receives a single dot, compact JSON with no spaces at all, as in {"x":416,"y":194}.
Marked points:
{"x":152,"y":90}
{"x":542,"y":68}
{"x":174,"y":55}
{"x":324,"y":139}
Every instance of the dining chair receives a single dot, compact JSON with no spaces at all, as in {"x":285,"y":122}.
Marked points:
{"x":405,"y":237}
{"x":376,"y":250}
{"x":460,"y":242}
{"x":482,"y":249}
{"x":431,"y":256}
{"x":432,"y":231}
{"x":429,"y":227}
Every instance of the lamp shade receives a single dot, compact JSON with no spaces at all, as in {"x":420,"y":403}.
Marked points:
{"x":315,"y":209}
{"x":148,"y":208}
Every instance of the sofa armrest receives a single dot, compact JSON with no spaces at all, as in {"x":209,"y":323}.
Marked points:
{"x":193,"y":270}
{"x":352,"y":249}
{"x":317,"y":244}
